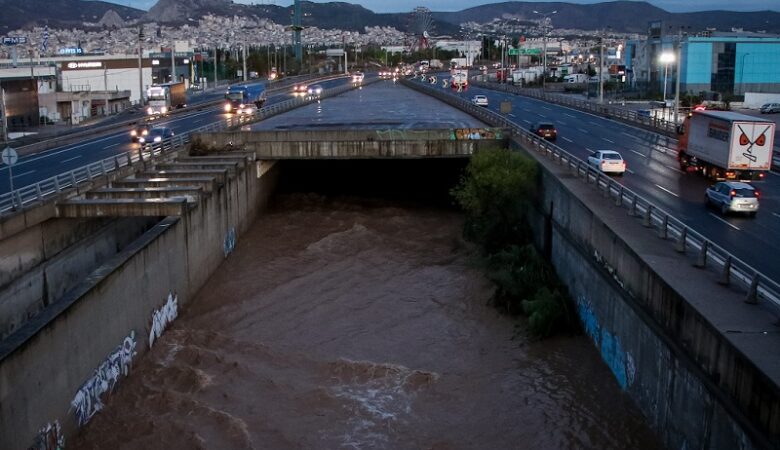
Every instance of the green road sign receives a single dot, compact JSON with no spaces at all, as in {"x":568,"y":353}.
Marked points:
{"x":514,"y":52}
{"x":530,"y":51}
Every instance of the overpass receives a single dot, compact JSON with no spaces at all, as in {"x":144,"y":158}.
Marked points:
{"x":619,"y":274}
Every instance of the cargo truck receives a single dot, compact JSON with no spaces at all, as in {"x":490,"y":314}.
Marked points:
{"x":164,"y":98}
{"x":723,"y":145}
{"x":237,"y":97}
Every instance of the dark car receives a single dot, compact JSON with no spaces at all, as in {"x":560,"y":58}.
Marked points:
{"x":139,"y":131}
{"x":544,"y":130}
{"x":156,"y":135}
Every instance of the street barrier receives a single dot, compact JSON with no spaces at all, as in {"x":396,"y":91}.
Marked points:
{"x":667,"y":227}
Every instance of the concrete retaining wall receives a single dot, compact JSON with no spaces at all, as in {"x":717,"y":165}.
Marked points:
{"x":53,"y":369}
{"x":678,"y":343}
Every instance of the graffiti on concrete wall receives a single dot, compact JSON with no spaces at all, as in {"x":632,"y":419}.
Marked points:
{"x":87,"y":401}
{"x":619,"y":361}
{"x":163,"y":317}
{"x":230,"y":241}
{"x":49,"y":437}
{"x":461,"y":134}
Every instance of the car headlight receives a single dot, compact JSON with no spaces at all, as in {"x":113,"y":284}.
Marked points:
{"x":149,"y":110}
{"x":157,"y":138}
{"x":227,"y":107}
{"x":164,"y":109}
{"x":133,"y":133}
{"x":141,"y":140}
{"x":145,"y":132}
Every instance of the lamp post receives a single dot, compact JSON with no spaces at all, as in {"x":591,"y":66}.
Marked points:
{"x":666,"y":58}
{"x":741,"y":74}
{"x":544,"y":45}
{"x":140,"y":68}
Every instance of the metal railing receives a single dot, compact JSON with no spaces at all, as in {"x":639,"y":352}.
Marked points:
{"x":49,"y":188}
{"x":658,"y":125}
{"x":666,"y":226}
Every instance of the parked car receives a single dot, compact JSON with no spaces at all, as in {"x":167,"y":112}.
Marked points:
{"x":544,"y":130}
{"x":608,"y":161}
{"x":479,"y":100}
{"x":138,"y":131}
{"x":770,"y":108}
{"x":733,"y":196}
{"x":155,"y":136}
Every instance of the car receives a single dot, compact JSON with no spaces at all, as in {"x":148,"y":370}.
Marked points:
{"x":770,"y":108}
{"x":733,"y":196}
{"x":315,"y":90}
{"x":544,"y":130}
{"x":300,"y":88}
{"x":357,"y":77}
{"x":250,"y":108}
{"x":138,"y":131}
{"x":608,"y":161}
{"x":156,"y":135}
{"x":479,"y":100}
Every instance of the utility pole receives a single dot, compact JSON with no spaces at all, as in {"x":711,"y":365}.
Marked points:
{"x":243,"y":53}
{"x":173,"y":63}
{"x":140,"y":67}
{"x":216,"y":58}
{"x":677,"y":78}
{"x":601,"y":70}
{"x":4,"y":116}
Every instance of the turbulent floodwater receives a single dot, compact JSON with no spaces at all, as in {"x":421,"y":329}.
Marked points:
{"x":341,"y":322}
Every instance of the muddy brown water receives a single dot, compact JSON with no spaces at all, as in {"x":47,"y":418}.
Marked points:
{"x":341,"y":322}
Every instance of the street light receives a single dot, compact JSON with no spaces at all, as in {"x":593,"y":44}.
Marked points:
{"x":742,"y":72}
{"x":544,"y":35}
{"x":666,"y":58}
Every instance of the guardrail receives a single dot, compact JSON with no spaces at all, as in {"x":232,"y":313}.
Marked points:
{"x":666,"y":226}
{"x":666,"y":127}
{"x":51,"y":187}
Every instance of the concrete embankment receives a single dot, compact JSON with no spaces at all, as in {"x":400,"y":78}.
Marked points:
{"x":695,"y":358}
{"x":58,"y":368}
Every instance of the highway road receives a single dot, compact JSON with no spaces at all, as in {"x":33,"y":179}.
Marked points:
{"x":654,"y":174}
{"x":34,"y":168}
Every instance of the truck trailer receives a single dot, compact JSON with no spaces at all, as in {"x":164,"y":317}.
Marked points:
{"x":164,"y":98}
{"x":241,"y":95}
{"x":723,"y":145}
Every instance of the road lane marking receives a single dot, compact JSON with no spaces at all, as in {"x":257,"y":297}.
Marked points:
{"x":629,"y":135}
{"x":70,"y":159}
{"x":776,"y":215}
{"x":640,"y":154}
{"x":675,"y":169}
{"x":583,"y":131}
{"x":548,"y":109}
{"x":542,"y":116}
{"x":526,"y":121}
{"x":775,"y":174}
{"x":594,"y":123}
{"x":567,"y":114}
{"x":666,"y":190}
{"x":511,"y":115}
{"x":112,"y":145}
{"x":567,"y":140}
{"x":726,"y":222}
{"x":629,"y":171}
{"x":562,"y":122}
{"x":611,"y":142}
{"x":24,"y":173}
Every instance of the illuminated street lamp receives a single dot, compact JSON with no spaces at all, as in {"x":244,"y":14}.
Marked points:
{"x":666,"y":58}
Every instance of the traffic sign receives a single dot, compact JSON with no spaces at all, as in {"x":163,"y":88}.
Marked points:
{"x":513,"y":52}
{"x":10,"y":156}
{"x":14,"y":40}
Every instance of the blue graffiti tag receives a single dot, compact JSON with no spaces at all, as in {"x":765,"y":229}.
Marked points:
{"x":620,"y":362}
{"x":230,"y":241}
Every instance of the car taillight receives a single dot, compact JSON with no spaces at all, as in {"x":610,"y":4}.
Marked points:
{"x":732,"y":193}
{"x":758,"y":194}
{"x":761,"y":175}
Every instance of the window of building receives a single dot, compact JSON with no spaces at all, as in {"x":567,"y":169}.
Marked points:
{"x":724,"y":55}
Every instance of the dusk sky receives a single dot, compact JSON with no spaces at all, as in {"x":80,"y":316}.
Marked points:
{"x":381,"y":6}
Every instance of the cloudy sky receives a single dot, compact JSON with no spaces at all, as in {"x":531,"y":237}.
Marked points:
{"x":457,"y":5}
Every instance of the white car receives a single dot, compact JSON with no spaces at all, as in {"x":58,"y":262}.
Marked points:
{"x":250,"y":108}
{"x":315,"y":90}
{"x":479,"y":100}
{"x":608,"y":161}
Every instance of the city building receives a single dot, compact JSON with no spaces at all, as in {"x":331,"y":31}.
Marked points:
{"x":724,"y":63}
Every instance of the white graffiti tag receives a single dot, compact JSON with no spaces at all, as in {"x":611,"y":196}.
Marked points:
{"x":162,"y":317}
{"x":87,"y":401}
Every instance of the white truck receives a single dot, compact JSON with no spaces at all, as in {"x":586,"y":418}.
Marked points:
{"x":724,"y":145}
{"x":164,"y":98}
{"x":576,"y":78}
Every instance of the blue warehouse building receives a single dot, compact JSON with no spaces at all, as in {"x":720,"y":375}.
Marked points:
{"x":728,"y":63}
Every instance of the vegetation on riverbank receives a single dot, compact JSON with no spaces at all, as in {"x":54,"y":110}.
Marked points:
{"x":496,"y":193}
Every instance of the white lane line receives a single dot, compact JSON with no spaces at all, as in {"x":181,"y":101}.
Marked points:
{"x":567,"y":140}
{"x":17,"y":175}
{"x":112,"y":145}
{"x":594,"y":123}
{"x":511,"y":115}
{"x":527,"y":110}
{"x":627,"y":134}
{"x":611,"y":142}
{"x":583,"y":131}
{"x":526,"y":121}
{"x":776,"y":215}
{"x":548,"y":109}
{"x":567,"y":114}
{"x":775,"y":174}
{"x":562,"y":122}
{"x":640,"y":154}
{"x":542,"y":116}
{"x":726,"y":222}
{"x":629,"y":171}
{"x":587,"y":149}
{"x":675,"y":169}
{"x":70,"y":159}
{"x":666,"y":190}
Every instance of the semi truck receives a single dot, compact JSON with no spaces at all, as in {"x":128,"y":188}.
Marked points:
{"x":241,"y":95}
{"x":723,"y":145}
{"x":164,"y":98}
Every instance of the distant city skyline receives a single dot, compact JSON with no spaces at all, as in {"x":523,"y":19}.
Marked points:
{"x":383,"y":6}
